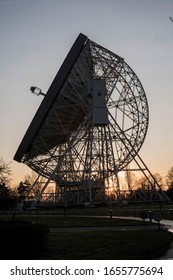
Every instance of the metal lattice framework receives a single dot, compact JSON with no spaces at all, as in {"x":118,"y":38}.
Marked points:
{"x":79,"y":154}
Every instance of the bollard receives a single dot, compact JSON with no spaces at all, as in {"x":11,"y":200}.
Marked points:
{"x":150,"y":216}
{"x":144,"y":215}
{"x":110,"y":212}
{"x":157,"y":216}
{"x":65,"y":211}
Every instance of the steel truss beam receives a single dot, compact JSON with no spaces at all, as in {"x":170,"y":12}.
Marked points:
{"x":83,"y":158}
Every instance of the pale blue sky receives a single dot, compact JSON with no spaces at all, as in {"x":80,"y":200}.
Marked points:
{"x":35,"y":37}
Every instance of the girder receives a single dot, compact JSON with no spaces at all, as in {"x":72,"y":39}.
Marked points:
{"x":78,"y":148}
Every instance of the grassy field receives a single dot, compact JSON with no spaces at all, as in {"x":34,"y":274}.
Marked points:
{"x":112,"y":245}
{"x":55,"y":221}
{"x":139,"y":244}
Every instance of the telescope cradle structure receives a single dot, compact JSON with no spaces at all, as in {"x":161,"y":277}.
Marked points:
{"x":90,"y":125}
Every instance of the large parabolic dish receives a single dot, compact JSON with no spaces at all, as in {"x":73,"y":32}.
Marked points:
{"x":92,"y":121}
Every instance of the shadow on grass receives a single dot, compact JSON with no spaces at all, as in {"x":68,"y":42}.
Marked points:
{"x":54,"y":221}
{"x":26,"y":239}
{"x":117,"y":245}
{"x":22,"y":240}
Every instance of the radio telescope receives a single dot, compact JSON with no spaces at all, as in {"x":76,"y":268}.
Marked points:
{"x":90,"y":125}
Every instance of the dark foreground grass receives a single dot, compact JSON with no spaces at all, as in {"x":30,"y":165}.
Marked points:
{"x":112,"y":245}
{"x":54,"y":221}
{"x":95,"y":245}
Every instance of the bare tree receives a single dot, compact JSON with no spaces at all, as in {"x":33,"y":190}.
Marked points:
{"x":169,"y":179}
{"x":130,"y":179}
{"x":5,"y":172}
{"x":35,"y":184}
{"x":23,"y":191}
{"x":146,"y":183}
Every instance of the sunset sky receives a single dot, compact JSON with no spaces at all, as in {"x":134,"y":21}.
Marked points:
{"x":35,"y":38}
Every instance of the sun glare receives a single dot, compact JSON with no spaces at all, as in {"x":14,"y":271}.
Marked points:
{"x":114,"y":183}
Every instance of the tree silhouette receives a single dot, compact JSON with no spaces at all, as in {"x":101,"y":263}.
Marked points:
{"x":169,"y":182}
{"x":5,"y":172}
{"x":23,"y":191}
{"x":7,"y":199}
{"x":169,"y":179}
